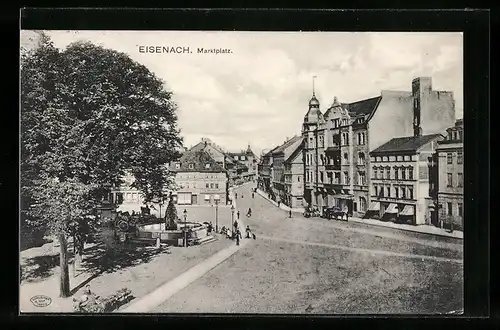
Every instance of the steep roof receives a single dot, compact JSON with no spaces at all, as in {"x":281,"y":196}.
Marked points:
{"x":295,"y":152}
{"x":363,"y":107}
{"x":199,"y":159}
{"x":285,"y":145}
{"x":408,"y":143}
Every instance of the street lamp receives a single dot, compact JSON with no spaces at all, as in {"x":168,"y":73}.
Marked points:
{"x":185,"y":227}
{"x":232,"y":216}
{"x":216,"y":199}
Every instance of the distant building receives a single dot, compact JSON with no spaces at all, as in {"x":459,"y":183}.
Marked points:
{"x":400,"y":180}
{"x":338,"y":142}
{"x":294,"y":178}
{"x":247,"y":158}
{"x":451,"y":177}
{"x":200,"y":179}
{"x":280,"y":154}
{"x":212,"y":149}
{"x":264,"y":171}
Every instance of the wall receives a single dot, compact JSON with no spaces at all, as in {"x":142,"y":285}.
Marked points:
{"x":196,"y":183}
{"x":435,"y":108}
{"x":393,"y":118}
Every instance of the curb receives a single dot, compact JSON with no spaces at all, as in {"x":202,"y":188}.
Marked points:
{"x":282,"y":207}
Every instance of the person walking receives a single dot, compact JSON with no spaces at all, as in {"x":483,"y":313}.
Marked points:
{"x":238,"y":236}
{"x":235,"y":225}
{"x":253,"y":195}
{"x":346,"y":212}
{"x":235,"y":195}
{"x":238,"y":214}
{"x":249,"y":213}
{"x":248,"y":231}
{"x":290,"y":213}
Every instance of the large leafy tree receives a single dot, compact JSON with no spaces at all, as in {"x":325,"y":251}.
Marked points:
{"x":88,"y":114}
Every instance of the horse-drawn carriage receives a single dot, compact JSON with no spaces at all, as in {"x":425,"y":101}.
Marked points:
{"x":336,"y":213}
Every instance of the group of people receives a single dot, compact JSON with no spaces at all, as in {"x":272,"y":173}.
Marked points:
{"x":237,"y":233}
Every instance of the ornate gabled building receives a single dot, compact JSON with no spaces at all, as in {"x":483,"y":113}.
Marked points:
{"x":247,"y":172}
{"x":337,"y":143}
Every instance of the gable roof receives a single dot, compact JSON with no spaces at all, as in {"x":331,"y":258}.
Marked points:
{"x":199,"y":159}
{"x":295,"y":152}
{"x":285,"y":145}
{"x":408,"y":143}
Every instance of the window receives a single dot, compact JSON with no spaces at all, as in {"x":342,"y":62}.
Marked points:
{"x":375,"y":190}
{"x":400,"y":158}
{"x":381,"y":192}
{"x":410,"y":173}
{"x":177,"y":165}
{"x":410,"y":192}
{"x":216,"y":186}
{"x":235,"y":157}
{"x":460,"y":209}
{"x":407,"y":157}
{"x":191,"y":166}
{"x":450,"y":180}
{"x":396,"y":173}
{"x":207,"y":165}
{"x":388,"y":191}
{"x":450,"y":208}
{"x":298,"y":178}
{"x":242,"y":158}
{"x":460,"y":157}
{"x":359,"y":138}
{"x":211,"y":186}
{"x":207,"y":185}
{"x":346,"y":177}
{"x":346,"y":159}
{"x":403,"y":192}
{"x":321,"y":176}
{"x":460,"y":179}
{"x":396,"y":190}
{"x":449,"y":158}
{"x":361,"y":158}
{"x":361,"y":178}
{"x":387,"y":172}
{"x":337,"y":177}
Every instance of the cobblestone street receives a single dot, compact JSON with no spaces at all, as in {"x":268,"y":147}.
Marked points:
{"x":299,"y":265}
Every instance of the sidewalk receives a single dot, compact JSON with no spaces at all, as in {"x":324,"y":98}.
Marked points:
{"x":168,"y":289}
{"x":282,"y":206}
{"x":424,"y":229}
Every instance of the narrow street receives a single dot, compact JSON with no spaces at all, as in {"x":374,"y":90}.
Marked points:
{"x":299,"y":265}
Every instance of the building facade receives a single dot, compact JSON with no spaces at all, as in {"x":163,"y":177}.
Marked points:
{"x":264,"y":181}
{"x":249,"y":161}
{"x":400,"y":180}
{"x":279,"y":155}
{"x":337,"y":143}
{"x":200,"y":180}
{"x":294,"y":178}
{"x":451,"y":177}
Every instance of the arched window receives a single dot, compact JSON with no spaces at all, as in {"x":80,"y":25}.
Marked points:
{"x":346,"y":158}
{"x":361,"y":158}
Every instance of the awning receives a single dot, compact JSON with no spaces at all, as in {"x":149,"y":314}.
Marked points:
{"x":408,"y":210}
{"x":374,"y":206}
{"x":393,"y":208}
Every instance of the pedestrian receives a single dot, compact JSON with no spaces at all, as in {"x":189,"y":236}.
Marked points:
{"x":238,"y":214}
{"x":290,"y":213}
{"x":279,"y":202}
{"x":248,"y":231}
{"x":252,"y":195}
{"x":346,"y":212}
{"x":238,"y":236}
{"x":235,"y":195}
{"x":235,"y":225}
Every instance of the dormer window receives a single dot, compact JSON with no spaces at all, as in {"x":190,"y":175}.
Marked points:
{"x":235,"y":157}
{"x":207,"y":165}
{"x":177,"y":165}
{"x":191,"y":166}
{"x":242,"y":157}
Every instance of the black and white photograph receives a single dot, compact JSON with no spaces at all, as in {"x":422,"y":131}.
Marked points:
{"x":241,"y":172}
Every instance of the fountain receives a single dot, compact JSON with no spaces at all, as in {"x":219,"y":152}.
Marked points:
{"x":196,"y":232}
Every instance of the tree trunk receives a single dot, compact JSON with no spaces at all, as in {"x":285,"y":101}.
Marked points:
{"x":63,"y":258}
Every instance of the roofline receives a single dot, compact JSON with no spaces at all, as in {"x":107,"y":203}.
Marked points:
{"x":370,"y":116}
{"x":374,"y":152}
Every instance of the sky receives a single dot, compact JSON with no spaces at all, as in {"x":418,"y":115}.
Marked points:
{"x":258,"y":94}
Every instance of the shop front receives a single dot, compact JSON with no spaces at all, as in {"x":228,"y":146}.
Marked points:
{"x":407,"y":214}
{"x":373,"y":211}
{"x":389,"y":212}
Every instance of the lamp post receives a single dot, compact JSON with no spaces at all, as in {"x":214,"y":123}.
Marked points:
{"x":232,"y":216}
{"x":216,"y":199}
{"x":185,"y":227}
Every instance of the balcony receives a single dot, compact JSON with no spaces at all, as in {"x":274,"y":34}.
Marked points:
{"x":333,"y":167}
{"x":335,"y":147}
